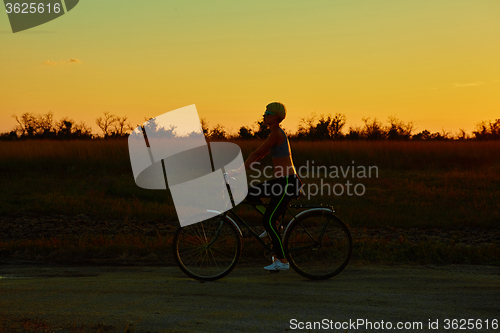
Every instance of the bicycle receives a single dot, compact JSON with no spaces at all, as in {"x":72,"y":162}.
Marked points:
{"x":317,"y":243}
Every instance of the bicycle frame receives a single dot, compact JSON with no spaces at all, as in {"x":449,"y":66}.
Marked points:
{"x":230,"y":214}
{"x":318,"y":244}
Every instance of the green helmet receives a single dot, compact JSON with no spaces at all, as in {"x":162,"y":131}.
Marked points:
{"x":277,"y":109}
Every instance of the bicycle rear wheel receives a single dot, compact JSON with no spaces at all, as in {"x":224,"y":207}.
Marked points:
{"x":318,"y":244}
{"x":207,"y":250}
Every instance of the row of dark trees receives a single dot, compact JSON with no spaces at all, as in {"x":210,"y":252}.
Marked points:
{"x":333,"y":128}
{"x":43,"y":126}
{"x":30,"y":126}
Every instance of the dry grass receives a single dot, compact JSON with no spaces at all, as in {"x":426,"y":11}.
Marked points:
{"x":424,"y":253}
{"x":66,"y":157}
{"x":407,"y":154}
{"x":139,"y":249}
{"x":38,"y":325}
{"x":124,"y":248}
{"x":425,"y":184}
{"x":111,"y":156}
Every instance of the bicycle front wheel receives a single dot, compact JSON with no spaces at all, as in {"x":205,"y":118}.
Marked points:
{"x":207,"y":250}
{"x":318,"y":244}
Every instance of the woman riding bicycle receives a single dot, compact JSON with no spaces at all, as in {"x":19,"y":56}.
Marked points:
{"x":281,"y":189}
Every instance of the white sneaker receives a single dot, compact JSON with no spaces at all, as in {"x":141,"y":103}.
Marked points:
{"x":277,"y":266}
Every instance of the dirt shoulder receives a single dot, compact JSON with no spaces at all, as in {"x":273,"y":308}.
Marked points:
{"x":34,"y":226}
{"x":162,"y":299}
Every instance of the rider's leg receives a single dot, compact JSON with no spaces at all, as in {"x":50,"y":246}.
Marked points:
{"x":255,"y":193}
{"x":282,"y":191}
{"x":277,"y":206}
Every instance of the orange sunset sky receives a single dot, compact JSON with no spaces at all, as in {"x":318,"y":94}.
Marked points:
{"x":433,"y":62}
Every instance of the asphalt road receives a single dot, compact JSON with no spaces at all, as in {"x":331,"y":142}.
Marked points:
{"x":162,"y":299}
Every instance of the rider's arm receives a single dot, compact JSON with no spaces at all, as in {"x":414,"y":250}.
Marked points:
{"x":263,"y":150}
{"x":260,"y":153}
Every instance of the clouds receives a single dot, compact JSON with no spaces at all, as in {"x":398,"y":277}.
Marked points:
{"x":50,"y":63}
{"x":71,"y":61}
{"x":472,"y":84}
{"x":475,"y":84}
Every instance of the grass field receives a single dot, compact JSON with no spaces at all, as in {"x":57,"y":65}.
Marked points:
{"x":443,"y":185}
{"x":419,"y":184}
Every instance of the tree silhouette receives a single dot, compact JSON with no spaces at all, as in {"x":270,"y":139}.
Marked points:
{"x":373,"y":130}
{"x":31,"y":125}
{"x":324,"y":128}
{"x":336,"y":124}
{"x":398,"y":130}
{"x":355,"y":133}
{"x":64,"y":128}
{"x":67,"y":129}
{"x":106,"y":123}
{"x":245,"y":133}
{"x":262,"y":130}
{"x":424,"y":135}
{"x":218,"y":133}
{"x":488,"y":130}
{"x":204,"y":127}
{"x":121,"y":127}
{"x":27,"y":125}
